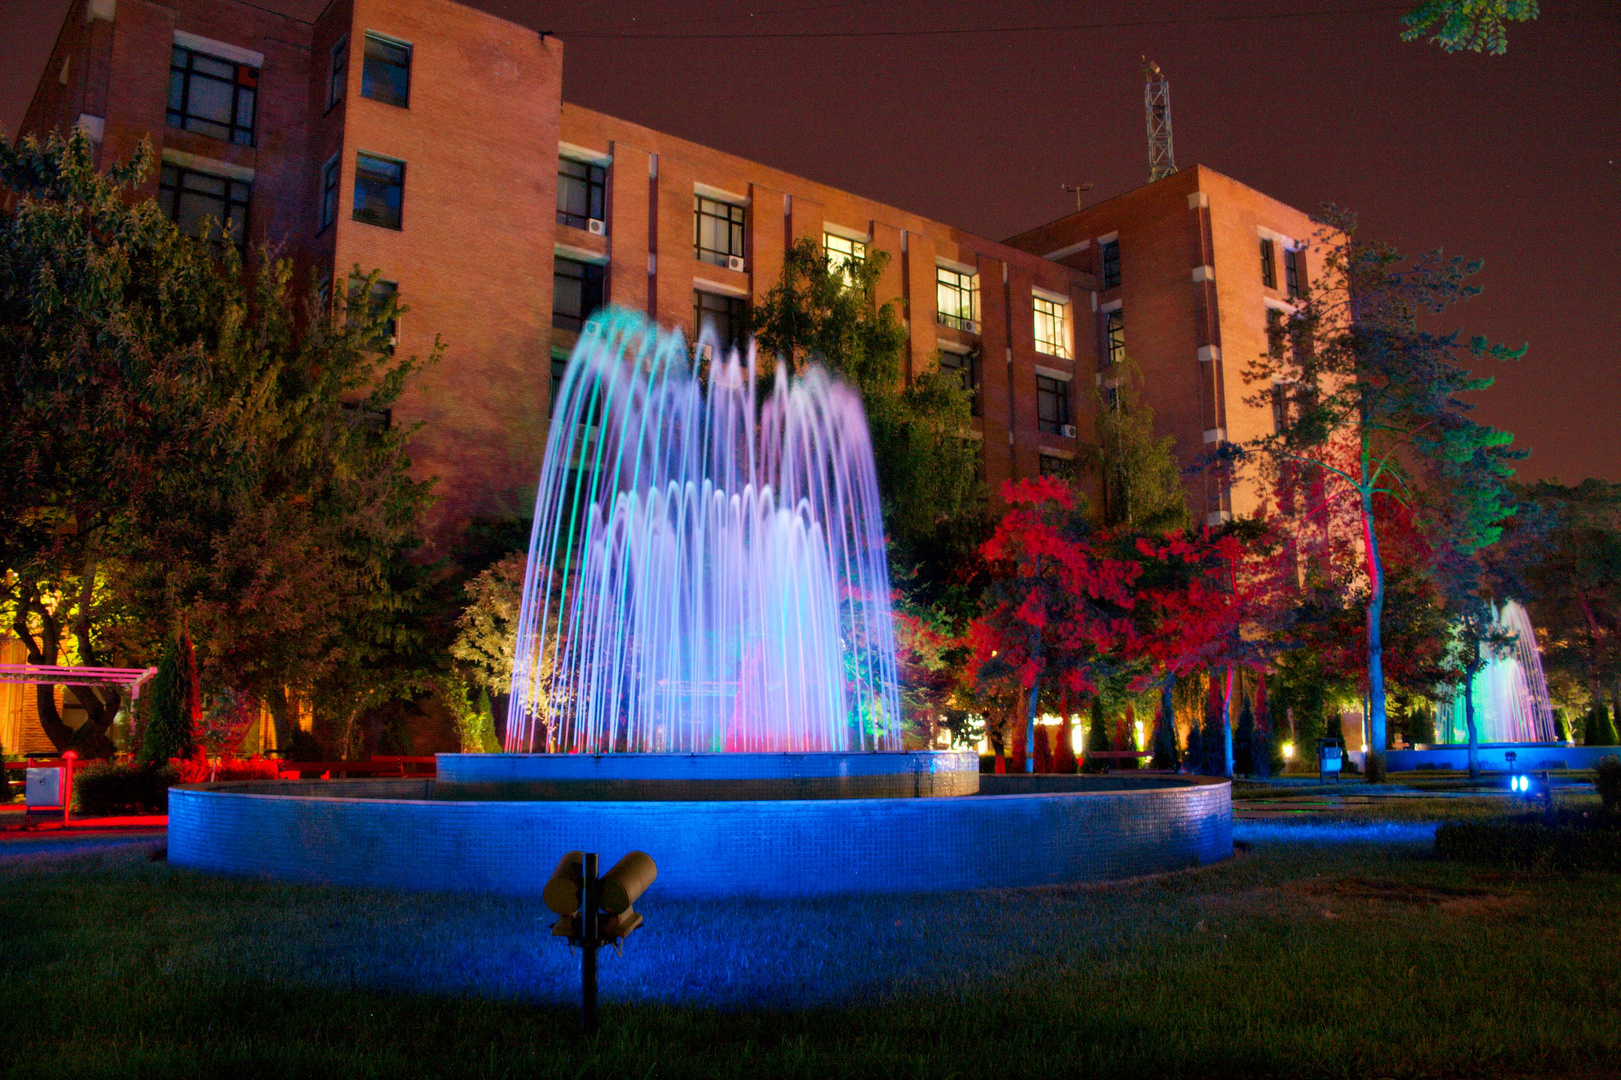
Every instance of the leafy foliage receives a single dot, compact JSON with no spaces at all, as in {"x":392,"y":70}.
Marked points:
{"x":1141,"y":485}
{"x":1475,"y":25}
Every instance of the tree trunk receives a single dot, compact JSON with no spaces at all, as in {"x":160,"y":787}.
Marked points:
{"x":1469,"y":712}
{"x":1030,"y":728}
{"x":1227,"y":725}
{"x":1376,"y":611}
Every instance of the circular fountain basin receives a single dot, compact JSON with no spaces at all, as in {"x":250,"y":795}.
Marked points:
{"x":411,"y":834}
{"x":707,"y":777}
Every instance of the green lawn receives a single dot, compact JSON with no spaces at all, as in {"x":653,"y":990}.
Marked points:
{"x":1296,"y":958}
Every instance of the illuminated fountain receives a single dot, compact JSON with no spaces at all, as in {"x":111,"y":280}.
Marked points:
{"x":1510,"y":693}
{"x":705,"y":671}
{"x":707,"y":571}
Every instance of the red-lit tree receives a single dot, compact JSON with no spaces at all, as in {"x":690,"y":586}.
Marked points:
{"x":1057,"y":613}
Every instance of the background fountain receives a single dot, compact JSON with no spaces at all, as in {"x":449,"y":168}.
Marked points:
{"x":705,"y":671}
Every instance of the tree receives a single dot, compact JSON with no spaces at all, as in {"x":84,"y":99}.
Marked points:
{"x":1574,"y":586}
{"x":1137,"y":472}
{"x":824,"y":312}
{"x":167,"y":732}
{"x":1369,"y":402}
{"x":1476,"y":25}
{"x":1057,"y":611}
{"x":195,"y":444}
{"x":104,"y":311}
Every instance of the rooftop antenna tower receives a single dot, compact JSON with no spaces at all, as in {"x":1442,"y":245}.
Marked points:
{"x":1157,"y":103}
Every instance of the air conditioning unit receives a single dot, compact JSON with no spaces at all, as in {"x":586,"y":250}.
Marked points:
{"x":706,"y":353}
{"x":1067,"y":431}
{"x":596,"y":227}
{"x":735,"y":262}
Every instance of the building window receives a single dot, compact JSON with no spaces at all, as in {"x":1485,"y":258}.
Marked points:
{"x":1111,"y":264}
{"x":1052,"y":327}
{"x":1280,"y":407}
{"x":337,"y":80}
{"x":212,"y":96}
{"x":727,"y":314}
{"x":1269,"y":268}
{"x":1275,"y":332}
{"x":1111,"y":397}
{"x":379,"y":190}
{"x":1114,"y":335}
{"x":330,"y":173}
{"x":576,"y":292}
{"x":383,"y":297}
{"x":956,"y":297}
{"x":717,"y":230}
{"x":1057,"y":468}
{"x":559,"y":369}
{"x":580,"y":190}
{"x":386,"y":73}
{"x":368,"y":419}
{"x":966,"y":365}
{"x":1052,"y":405}
{"x":191,"y":199}
{"x":843,"y":254}
{"x":1293,"y":273}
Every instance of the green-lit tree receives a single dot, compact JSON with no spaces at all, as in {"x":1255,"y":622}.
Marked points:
{"x":1473,"y":25}
{"x":1137,"y":473}
{"x":1370,"y":401}
{"x":826,"y":312}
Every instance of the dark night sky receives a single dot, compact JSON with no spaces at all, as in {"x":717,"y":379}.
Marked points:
{"x":1513,"y":159}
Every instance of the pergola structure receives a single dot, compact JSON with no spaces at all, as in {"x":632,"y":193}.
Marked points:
{"x":57,"y":675}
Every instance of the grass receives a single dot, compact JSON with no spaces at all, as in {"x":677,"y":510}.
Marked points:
{"x":1294,"y":959}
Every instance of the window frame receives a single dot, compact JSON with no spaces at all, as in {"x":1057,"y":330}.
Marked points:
{"x":378,"y":296}
{"x":596,"y":195}
{"x":966,"y":283}
{"x":736,"y":223}
{"x":244,"y":78}
{"x":848,"y":252}
{"x":1054,"y":468}
{"x":337,"y":79}
{"x":1049,"y":389}
{"x":593,"y":279}
{"x":367,"y":79}
{"x":1114,"y":336}
{"x":967,"y":366}
{"x":362,"y":174}
{"x":1269,"y":266}
{"x":1057,"y":317}
{"x":331,"y":185}
{"x":1109,"y":264}
{"x":734,"y":308}
{"x":1292,"y":286}
{"x":169,"y":196}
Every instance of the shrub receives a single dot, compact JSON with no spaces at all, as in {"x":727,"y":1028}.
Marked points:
{"x":1574,"y":841}
{"x":199,"y":770}
{"x":122,"y":787}
{"x":167,"y":732}
{"x":1607,"y":778}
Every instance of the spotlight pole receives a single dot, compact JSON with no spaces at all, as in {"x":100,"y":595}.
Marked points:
{"x":588,"y":942}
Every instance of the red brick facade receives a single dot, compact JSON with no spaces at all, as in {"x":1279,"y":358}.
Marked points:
{"x":480,"y":138}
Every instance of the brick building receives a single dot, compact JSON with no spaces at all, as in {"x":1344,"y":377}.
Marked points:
{"x":430,"y":141}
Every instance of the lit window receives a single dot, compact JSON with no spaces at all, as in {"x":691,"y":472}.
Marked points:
{"x":717,"y":230}
{"x":957,"y":298}
{"x":966,"y":365}
{"x":192,"y":199}
{"x":1114,"y":334}
{"x":580,"y":190}
{"x":337,"y":81}
{"x":211,"y":96}
{"x":1111,"y":264}
{"x":1294,"y":272}
{"x":329,"y":192}
{"x":1052,"y":405}
{"x":727,"y":314}
{"x":576,"y":292}
{"x":843,"y":253}
{"x":379,"y":190}
{"x":1269,"y":268}
{"x":385,"y":74}
{"x":1052,"y":327}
